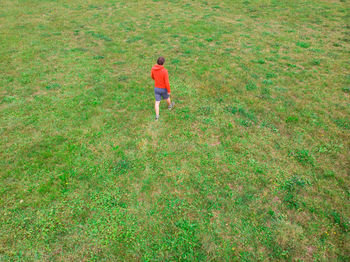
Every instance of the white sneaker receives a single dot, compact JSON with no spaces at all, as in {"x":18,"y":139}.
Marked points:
{"x":171,"y":106}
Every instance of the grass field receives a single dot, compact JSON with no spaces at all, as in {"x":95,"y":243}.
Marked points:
{"x":252,"y":165}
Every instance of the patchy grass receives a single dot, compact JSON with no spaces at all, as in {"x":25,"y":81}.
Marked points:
{"x":252,"y":164}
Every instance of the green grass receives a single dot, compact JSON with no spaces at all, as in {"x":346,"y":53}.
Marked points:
{"x":253,"y":163}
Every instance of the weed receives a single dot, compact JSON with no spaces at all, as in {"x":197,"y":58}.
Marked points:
{"x":303,"y":44}
{"x":292,"y":119}
{"x":343,"y":123}
{"x":261,"y":61}
{"x":205,"y":110}
{"x":244,"y":122}
{"x":121,"y":167}
{"x":304,"y":157}
{"x":292,"y":187}
{"x":231,"y":109}
{"x":250,"y":86}
{"x":346,"y":89}
{"x":133,"y":39}
{"x":267,"y":82}
{"x":269,"y":125}
{"x":98,"y":57}
{"x":339,"y":220}
{"x":316,"y":62}
{"x":99,"y":36}
{"x":8,"y":99}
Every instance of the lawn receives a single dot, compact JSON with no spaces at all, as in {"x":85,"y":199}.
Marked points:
{"x":253,"y":163}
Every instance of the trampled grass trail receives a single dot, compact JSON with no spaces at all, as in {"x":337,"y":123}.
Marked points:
{"x":252,"y":164}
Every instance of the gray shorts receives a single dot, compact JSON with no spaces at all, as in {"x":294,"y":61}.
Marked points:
{"x":160,"y":92}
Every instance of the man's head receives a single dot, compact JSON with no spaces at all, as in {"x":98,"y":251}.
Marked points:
{"x":161,"y":60}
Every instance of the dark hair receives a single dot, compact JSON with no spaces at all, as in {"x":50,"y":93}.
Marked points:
{"x":160,"y":60}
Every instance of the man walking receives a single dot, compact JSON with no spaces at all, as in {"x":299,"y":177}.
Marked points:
{"x":161,"y":85}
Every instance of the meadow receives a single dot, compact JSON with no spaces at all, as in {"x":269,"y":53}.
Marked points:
{"x":252,"y":165}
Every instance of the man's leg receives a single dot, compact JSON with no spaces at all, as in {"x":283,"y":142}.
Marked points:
{"x":156,"y":107}
{"x":168,"y":101}
{"x":170,"y":105}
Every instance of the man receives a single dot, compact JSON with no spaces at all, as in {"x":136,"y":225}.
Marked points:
{"x":161,"y":85}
